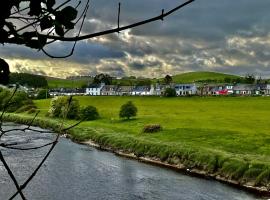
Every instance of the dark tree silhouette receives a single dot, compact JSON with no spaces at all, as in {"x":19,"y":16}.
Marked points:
{"x":168,"y":79}
{"x":4,"y":72}
{"x":102,"y":78}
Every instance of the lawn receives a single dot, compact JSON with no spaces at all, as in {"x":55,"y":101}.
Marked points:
{"x":227,"y":136}
{"x":238,"y":126}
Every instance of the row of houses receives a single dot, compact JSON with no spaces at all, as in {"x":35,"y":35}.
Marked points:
{"x":158,"y":90}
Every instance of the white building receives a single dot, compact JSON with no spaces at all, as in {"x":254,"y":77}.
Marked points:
{"x":94,"y":89}
{"x":185,"y":89}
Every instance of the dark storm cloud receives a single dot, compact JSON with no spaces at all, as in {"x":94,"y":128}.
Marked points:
{"x":228,"y":36}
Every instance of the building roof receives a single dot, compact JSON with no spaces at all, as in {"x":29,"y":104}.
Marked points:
{"x":245,"y":87}
{"x":109,"y":88}
{"x":142,"y":89}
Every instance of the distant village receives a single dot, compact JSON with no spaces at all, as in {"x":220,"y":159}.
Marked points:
{"x":159,"y":89}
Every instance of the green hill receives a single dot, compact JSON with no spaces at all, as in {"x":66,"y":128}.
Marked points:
{"x":191,"y":77}
{"x":65,"y":83}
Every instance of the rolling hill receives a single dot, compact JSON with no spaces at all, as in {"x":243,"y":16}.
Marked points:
{"x":191,"y":77}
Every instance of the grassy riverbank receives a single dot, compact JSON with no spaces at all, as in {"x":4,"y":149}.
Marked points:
{"x":222,"y":136}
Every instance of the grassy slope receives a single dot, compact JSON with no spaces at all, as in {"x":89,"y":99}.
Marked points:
{"x":228,"y":135}
{"x":63,"y":83}
{"x":200,"y":76}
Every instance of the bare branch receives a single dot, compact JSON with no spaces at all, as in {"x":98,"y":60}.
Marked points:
{"x":115,"y":30}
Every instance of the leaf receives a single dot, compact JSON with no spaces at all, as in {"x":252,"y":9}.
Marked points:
{"x":69,"y":13}
{"x":42,"y":41}
{"x":46,"y":22}
{"x":35,"y":7}
{"x":50,"y":4}
{"x":69,"y":25}
{"x":3,"y":36}
{"x":34,"y":44}
{"x":59,"y":30}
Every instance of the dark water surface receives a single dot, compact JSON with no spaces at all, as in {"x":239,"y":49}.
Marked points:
{"x":77,"y":172}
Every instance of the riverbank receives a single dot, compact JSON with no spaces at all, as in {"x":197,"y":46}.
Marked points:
{"x":245,"y":174}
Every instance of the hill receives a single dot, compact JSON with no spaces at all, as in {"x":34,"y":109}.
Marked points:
{"x":66,"y":83}
{"x":191,"y":77}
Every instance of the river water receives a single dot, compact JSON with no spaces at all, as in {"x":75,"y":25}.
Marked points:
{"x":78,"y":172}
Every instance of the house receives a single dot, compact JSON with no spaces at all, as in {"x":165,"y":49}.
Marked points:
{"x":185,"y":89}
{"x":245,"y":89}
{"x":109,"y":90}
{"x":94,"y":89}
{"x":124,"y":90}
{"x":141,"y":91}
{"x":265,"y":89}
{"x":67,"y":92}
{"x":158,"y":89}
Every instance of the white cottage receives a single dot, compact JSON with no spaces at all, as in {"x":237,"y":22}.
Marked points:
{"x":94,"y":89}
{"x":185,"y":89}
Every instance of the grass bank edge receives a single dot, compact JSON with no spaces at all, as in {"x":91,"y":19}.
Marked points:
{"x":243,"y":171}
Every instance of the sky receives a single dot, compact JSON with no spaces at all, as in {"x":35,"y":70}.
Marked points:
{"x":208,"y":35}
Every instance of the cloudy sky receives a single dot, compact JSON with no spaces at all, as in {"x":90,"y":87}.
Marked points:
{"x":208,"y":35}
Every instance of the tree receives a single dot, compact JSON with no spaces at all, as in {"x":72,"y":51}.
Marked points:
{"x":89,"y":113}
{"x":43,"y":94}
{"x":103,"y":78}
{"x":168,"y":79}
{"x":170,"y":92}
{"x":128,"y":110}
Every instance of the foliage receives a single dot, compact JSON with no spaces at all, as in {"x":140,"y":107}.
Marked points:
{"x":128,"y":110}
{"x":20,"y":99}
{"x":43,"y":94}
{"x":29,"y":80}
{"x":42,"y":14}
{"x":152,"y":128}
{"x":167,"y":79}
{"x":170,"y":92}
{"x":89,"y":113}
{"x":103,"y":78}
{"x":4,"y":71}
{"x":61,"y":107}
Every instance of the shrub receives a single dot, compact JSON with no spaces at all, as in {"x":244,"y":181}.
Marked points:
{"x":169,"y":92}
{"x":59,"y":106}
{"x":128,"y":110}
{"x":152,"y":128}
{"x":89,"y":113}
{"x":19,"y":99}
{"x":43,"y":94}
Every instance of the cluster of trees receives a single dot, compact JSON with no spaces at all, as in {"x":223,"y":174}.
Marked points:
{"x":70,"y":108}
{"x":29,"y":80}
{"x":67,"y":107}
{"x":20,"y":101}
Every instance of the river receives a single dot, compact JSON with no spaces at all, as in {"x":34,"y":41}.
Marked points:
{"x":78,"y":172}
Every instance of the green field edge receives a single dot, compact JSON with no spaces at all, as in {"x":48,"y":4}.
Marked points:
{"x":222,"y":166}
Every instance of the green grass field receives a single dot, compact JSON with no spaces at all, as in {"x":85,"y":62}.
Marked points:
{"x":228,"y":135}
{"x":202,"y":76}
{"x":232,"y":125}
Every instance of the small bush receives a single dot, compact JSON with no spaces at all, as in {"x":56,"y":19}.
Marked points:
{"x":169,"y":92}
{"x":152,"y":128}
{"x":19,"y":99}
{"x":128,"y":110}
{"x":43,"y":94}
{"x":89,"y":113}
{"x":59,"y":107}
